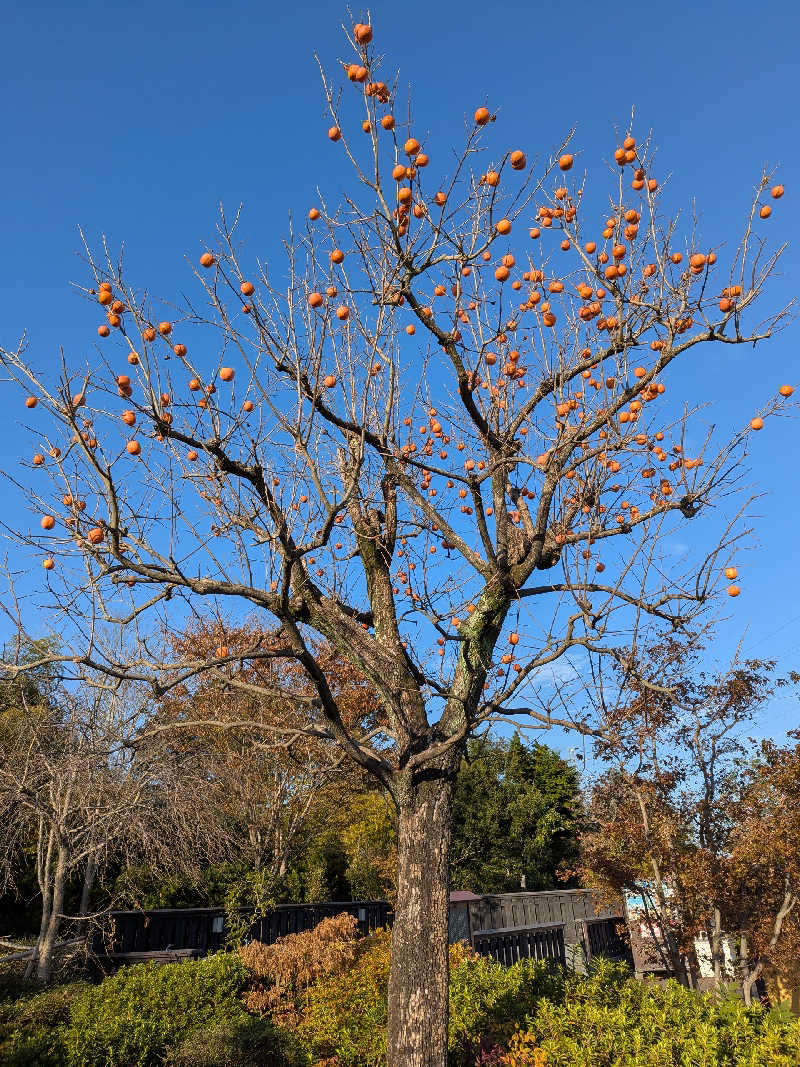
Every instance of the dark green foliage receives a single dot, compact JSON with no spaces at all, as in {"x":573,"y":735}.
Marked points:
{"x":133,"y":1018}
{"x":241,"y":1042}
{"x":31,"y":1024}
{"x":516,"y":812}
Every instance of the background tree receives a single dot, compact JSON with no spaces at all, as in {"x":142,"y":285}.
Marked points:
{"x":444,"y":451}
{"x":515,"y":815}
{"x":69,"y":785}
{"x":680,"y":809}
{"x":274,"y":797}
{"x":761,"y":870}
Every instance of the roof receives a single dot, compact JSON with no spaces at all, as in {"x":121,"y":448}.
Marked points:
{"x":461,"y":896}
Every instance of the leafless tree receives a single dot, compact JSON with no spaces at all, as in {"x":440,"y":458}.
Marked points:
{"x":452,"y":461}
{"x":71,"y":784}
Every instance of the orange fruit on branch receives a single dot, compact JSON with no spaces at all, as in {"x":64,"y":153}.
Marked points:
{"x":134,"y":448}
{"x":565,"y":162}
{"x":47,"y":522}
{"x":207,"y":260}
{"x":226,"y":374}
{"x":777,"y":192}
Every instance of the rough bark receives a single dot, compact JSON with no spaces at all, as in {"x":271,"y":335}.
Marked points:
{"x":418,"y":982}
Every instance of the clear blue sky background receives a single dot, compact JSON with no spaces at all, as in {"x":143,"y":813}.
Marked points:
{"x":137,"y":119}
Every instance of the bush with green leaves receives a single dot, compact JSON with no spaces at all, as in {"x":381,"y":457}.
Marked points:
{"x":610,"y":1020}
{"x":488,"y":1001}
{"x":133,"y":1018}
{"x":345,"y":1015}
{"x":242,"y":1042}
{"x":32,"y":1021}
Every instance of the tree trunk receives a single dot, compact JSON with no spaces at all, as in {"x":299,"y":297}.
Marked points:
{"x":49,"y":934}
{"x":86,"y":892}
{"x":418,"y":979}
{"x":717,"y":958}
{"x":44,"y":861}
{"x":744,"y":968}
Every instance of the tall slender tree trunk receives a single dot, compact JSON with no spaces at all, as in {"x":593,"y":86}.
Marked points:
{"x":44,"y":862}
{"x":89,"y":876}
{"x":418,"y":980}
{"x":717,"y":957}
{"x":49,"y":934}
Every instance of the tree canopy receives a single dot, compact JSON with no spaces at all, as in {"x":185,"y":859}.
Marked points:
{"x":516,"y":814}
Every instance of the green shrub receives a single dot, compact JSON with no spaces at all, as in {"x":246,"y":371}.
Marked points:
{"x":31,"y":1024}
{"x":487,"y":1001}
{"x":133,"y":1018}
{"x":608,"y":1020}
{"x":345,"y":1015}
{"x":243,"y":1042}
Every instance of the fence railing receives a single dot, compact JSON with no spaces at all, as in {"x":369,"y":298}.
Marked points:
{"x":517,"y":943}
{"x":604,"y":940}
{"x":200,"y":931}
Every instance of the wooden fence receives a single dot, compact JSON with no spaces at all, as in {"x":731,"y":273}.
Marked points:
{"x":563,"y":925}
{"x":509,"y":946}
{"x":200,"y":931}
{"x":586,"y":928}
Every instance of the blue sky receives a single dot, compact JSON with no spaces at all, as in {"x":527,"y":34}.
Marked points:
{"x":137,"y":120}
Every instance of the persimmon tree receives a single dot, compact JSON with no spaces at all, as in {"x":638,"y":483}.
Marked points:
{"x":436,"y":436}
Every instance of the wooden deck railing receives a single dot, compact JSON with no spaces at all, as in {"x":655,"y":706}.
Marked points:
{"x":515,"y":943}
